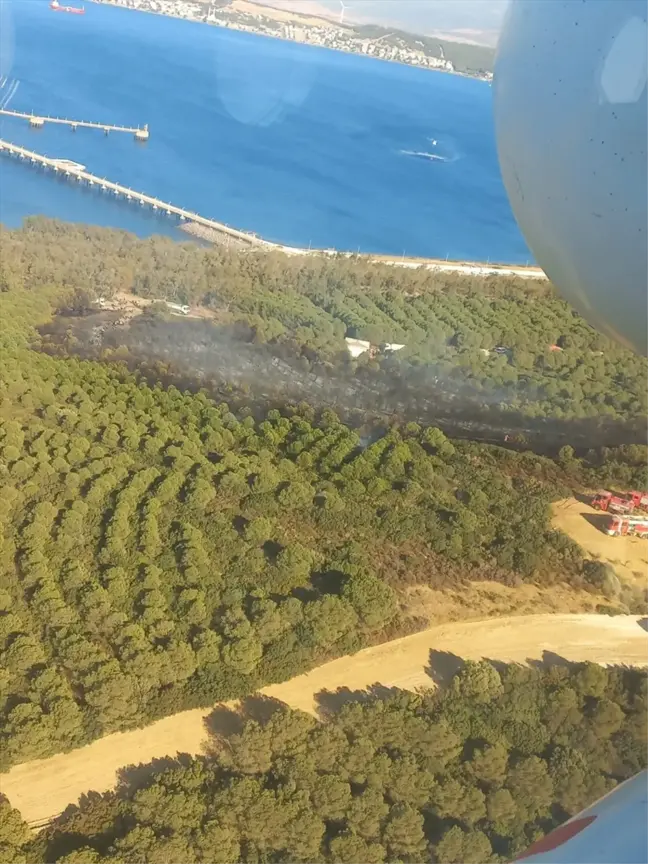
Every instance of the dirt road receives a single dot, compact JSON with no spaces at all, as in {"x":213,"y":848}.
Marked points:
{"x":628,"y":555}
{"x":43,"y":789}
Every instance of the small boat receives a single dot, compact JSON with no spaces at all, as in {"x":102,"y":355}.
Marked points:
{"x":69,"y":165}
{"x":73,"y":10}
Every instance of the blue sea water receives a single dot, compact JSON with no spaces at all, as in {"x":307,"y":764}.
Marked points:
{"x":299,"y":144}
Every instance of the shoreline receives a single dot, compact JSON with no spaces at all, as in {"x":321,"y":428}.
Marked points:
{"x":217,"y":232}
{"x":474,"y":77}
{"x":476,"y":268}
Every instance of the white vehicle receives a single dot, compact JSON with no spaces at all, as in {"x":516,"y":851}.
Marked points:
{"x":177,"y":307}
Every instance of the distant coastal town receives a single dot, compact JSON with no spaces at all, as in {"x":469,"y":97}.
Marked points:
{"x":395,"y":46}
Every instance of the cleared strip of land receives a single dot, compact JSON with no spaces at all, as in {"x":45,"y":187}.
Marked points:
{"x":44,"y":788}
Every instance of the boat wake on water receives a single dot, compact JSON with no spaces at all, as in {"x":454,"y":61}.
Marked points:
{"x":8,"y":89}
{"x":433,"y":153}
{"x":421,"y":154}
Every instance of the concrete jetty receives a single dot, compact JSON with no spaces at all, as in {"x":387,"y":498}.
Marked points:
{"x":79,"y":174}
{"x":141,"y":133}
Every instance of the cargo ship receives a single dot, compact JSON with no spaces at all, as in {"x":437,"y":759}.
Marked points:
{"x":73,"y":10}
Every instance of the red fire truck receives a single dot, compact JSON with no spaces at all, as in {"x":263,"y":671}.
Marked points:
{"x":622,"y":526}
{"x":605,"y":501}
{"x":624,"y":502}
{"x":639,"y":499}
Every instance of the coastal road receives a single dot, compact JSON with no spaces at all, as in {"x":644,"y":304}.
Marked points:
{"x":442,"y":265}
{"x":474,"y":268}
{"x":42,"y":789}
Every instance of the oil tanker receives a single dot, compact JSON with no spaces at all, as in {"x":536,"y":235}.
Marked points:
{"x":73,"y":10}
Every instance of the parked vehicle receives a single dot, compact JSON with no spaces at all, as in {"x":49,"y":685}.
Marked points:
{"x":623,"y":526}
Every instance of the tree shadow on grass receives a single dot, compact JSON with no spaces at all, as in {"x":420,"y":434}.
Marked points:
{"x":132,"y":776}
{"x":443,"y":666}
{"x":330,"y":701}
{"x":224,"y":721}
{"x":260,"y":708}
{"x":583,"y":499}
{"x":549,"y":659}
{"x":598,"y":520}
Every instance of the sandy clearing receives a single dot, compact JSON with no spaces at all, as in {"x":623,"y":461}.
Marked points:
{"x":628,"y":555}
{"x":42,"y":789}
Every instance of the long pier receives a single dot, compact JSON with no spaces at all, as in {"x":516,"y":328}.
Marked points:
{"x":189,"y":219}
{"x":38,"y":120}
{"x":68,"y":169}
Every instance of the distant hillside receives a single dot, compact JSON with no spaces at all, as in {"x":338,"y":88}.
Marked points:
{"x":464,"y":56}
{"x":474,"y":21}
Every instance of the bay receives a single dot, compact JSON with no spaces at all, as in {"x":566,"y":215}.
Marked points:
{"x":301,"y":145}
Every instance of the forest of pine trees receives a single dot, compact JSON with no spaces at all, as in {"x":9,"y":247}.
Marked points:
{"x":305,"y":306}
{"x":160,"y":553}
{"x":162,"y":550}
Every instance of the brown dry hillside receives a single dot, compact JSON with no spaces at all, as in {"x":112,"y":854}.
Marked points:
{"x":42,"y":789}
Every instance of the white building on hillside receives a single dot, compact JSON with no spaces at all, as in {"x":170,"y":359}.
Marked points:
{"x":356,"y":347}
